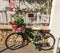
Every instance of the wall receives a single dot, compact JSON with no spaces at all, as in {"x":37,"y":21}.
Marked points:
{"x":55,"y":18}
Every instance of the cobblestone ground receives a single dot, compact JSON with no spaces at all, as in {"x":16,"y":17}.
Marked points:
{"x":27,"y":49}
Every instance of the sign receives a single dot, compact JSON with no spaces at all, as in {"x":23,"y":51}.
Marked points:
{"x":44,"y":18}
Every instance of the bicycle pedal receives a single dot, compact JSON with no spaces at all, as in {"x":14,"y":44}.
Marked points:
{"x":36,"y":47}
{"x":39,"y":49}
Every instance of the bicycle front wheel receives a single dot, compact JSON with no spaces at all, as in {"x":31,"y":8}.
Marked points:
{"x":14,"y":41}
{"x":49,"y":41}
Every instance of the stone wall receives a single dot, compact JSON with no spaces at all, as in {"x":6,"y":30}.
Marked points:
{"x":3,"y":35}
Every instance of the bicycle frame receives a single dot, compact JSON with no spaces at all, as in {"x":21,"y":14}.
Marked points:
{"x":29,"y":35}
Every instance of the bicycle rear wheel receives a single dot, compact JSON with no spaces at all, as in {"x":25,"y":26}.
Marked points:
{"x":49,"y":41}
{"x":14,"y":41}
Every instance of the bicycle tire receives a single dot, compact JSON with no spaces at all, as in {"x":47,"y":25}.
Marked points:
{"x":10,"y":47}
{"x":51,"y":43}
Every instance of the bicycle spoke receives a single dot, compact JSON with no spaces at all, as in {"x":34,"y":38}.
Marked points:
{"x":14,"y":40}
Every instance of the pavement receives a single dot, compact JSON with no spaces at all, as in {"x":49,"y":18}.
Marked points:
{"x":27,"y":49}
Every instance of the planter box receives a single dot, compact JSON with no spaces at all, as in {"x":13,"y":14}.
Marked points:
{"x":5,"y":27}
{"x":9,"y":27}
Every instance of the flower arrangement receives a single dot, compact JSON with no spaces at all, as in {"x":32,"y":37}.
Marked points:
{"x":19,"y":21}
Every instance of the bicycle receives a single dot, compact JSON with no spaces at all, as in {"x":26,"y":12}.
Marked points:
{"x":40,"y":38}
{"x":17,"y":39}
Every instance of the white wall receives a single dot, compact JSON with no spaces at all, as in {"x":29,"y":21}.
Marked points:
{"x":55,"y":18}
